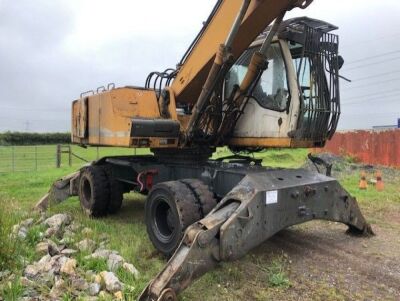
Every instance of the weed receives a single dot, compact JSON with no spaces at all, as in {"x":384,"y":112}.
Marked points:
{"x":12,"y":291}
{"x":351,"y":159}
{"x":276,"y":273}
{"x":34,"y":235}
{"x":8,"y":244}
{"x":94,"y":264}
{"x":278,"y":279}
{"x":67,"y":297}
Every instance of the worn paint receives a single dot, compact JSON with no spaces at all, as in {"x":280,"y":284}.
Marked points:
{"x":370,"y":147}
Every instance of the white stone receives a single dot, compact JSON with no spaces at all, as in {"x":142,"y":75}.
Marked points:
{"x":58,"y":220}
{"x":100,"y":254}
{"x":86,"y":245}
{"x":51,"y":232}
{"x":31,"y":271}
{"x":131,"y":269}
{"x":114,"y":262}
{"x":52,"y":248}
{"x":79,"y":284}
{"x":111,"y":282}
{"x":42,"y":248}
{"x":68,"y":252}
{"x":94,"y":289}
{"x":118,"y":295}
{"x":69,"y":267}
{"x":44,"y":259}
{"x":22,"y":233}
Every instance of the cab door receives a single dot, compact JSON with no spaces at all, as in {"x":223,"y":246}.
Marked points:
{"x":272,"y":110}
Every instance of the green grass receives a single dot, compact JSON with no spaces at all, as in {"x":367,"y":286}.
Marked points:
{"x":12,"y":290}
{"x":8,"y":246}
{"x":277,"y":275}
{"x":127,"y":233}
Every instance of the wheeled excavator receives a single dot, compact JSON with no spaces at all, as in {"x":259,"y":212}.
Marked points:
{"x":249,"y":81}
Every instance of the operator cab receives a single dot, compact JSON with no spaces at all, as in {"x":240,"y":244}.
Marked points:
{"x":298,"y":95}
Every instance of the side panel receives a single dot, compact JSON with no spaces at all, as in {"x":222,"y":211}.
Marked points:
{"x":79,"y":119}
{"x":110,"y":115}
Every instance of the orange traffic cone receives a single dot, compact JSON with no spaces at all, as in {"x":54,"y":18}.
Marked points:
{"x":363,"y":181}
{"x":380,"y":186}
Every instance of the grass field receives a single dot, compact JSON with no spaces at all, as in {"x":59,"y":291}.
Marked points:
{"x":256,"y":277}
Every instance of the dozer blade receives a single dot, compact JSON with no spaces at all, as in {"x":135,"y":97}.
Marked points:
{"x":61,"y":190}
{"x":261,"y":205}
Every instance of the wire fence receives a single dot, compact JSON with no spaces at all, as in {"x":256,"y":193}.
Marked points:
{"x":44,"y":157}
{"x":26,"y":158}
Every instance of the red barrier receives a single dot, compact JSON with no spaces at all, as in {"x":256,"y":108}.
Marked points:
{"x":371,"y":147}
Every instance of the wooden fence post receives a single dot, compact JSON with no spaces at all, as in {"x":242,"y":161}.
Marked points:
{"x":36,"y":158}
{"x":58,"y":156}
{"x":13,"y":158}
{"x":69,"y":155}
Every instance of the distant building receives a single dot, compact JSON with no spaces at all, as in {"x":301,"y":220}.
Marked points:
{"x":387,"y":127}
{"x":384,"y":127}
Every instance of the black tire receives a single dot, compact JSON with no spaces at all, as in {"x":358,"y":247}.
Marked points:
{"x":204,"y":196}
{"x":94,"y":192}
{"x":170,"y":208}
{"x":116,"y":193}
{"x":116,"y":197}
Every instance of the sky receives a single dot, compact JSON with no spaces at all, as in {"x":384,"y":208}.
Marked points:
{"x":53,"y":50}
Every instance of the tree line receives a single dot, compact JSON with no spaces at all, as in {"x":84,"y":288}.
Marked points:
{"x":19,"y":138}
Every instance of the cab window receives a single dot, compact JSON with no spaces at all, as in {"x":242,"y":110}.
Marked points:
{"x":271,"y":92}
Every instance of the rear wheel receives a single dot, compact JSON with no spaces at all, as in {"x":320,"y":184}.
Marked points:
{"x":116,"y":193}
{"x":170,"y":208}
{"x":94,"y":191}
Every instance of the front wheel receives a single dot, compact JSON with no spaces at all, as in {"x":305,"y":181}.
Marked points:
{"x":170,"y":208}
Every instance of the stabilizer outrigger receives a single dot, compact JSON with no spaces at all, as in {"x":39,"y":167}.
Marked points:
{"x":261,"y":205}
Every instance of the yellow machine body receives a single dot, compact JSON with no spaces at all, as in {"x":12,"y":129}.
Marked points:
{"x":154,"y":117}
{"x":107,"y":118}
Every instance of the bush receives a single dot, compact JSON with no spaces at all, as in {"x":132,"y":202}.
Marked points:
{"x":18,"y":138}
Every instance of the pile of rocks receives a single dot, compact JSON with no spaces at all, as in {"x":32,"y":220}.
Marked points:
{"x":58,"y":272}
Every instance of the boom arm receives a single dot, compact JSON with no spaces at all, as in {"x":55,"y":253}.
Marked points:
{"x":231,"y":28}
{"x":195,"y":68}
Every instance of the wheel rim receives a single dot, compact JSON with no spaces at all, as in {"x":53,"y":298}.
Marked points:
{"x":86,"y":191}
{"x":164,"y":221}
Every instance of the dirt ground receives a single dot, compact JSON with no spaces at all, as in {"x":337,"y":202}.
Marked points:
{"x":325,"y":263}
{"x":351,"y":268}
